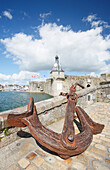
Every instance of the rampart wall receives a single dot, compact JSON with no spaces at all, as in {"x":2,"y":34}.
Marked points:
{"x":55,"y":85}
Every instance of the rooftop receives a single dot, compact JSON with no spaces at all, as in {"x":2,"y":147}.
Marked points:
{"x":57,"y":66}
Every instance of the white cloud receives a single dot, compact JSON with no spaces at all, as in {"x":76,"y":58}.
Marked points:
{"x":95,"y":21}
{"x":25,"y":14}
{"x":23,"y":77}
{"x":4,"y":77}
{"x":83,"y":51}
{"x":8,"y":15}
{"x":44,"y":15}
{"x":90,"y":18}
{"x":0,"y":17}
{"x":58,"y":20}
{"x":94,"y":74}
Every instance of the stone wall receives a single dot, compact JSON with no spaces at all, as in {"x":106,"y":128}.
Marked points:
{"x":62,"y":83}
{"x":54,"y":109}
{"x":106,"y":76}
{"x":36,"y":86}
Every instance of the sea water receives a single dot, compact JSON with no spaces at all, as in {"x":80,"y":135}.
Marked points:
{"x":13,"y":99}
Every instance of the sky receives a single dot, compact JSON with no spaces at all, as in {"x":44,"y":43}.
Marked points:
{"x":33,"y":32}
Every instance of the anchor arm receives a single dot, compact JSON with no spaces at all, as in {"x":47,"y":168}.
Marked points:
{"x":15,"y":119}
{"x":96,"y":127}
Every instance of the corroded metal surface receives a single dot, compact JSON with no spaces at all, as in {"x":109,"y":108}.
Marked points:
{"x":67,"y":143}
{"x":15,"y":119}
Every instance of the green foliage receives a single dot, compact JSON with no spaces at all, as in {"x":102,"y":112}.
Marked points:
{"x":5,"y":131}
{"x":0,"y":138}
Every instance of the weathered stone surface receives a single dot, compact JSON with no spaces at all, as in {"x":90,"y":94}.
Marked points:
{"x":105,"y":139}
{"x":1,"y":122}
{"x":95,"y":150}
{"x":101,"y":147}
{"x":15,"y":151}
{"x":107,"y":161}
{"x":38,"y":161}
{"x":50,"y":159}
{"x":82,"y":158}
{"x":97,"y":165}
{"x":47,"y":166}
{"x":23,"y":163}
{"x":106,"y":143}
{"x":71,"y":168}
{"x":31,"y":155}
{"x":31,"y":167}
{"x":57,"y":127}
{"x":68,"y":161}
{"x":40,"y":152}
{"x":78,"y":165}
{"x":96,"y":140}
{"x":93,"y":155}
{"x":59,"y":166}
{"x":13,"y":167}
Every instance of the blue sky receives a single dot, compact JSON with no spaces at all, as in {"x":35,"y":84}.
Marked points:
{"x":33,"y":32}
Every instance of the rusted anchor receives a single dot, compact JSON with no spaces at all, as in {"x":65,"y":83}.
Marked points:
{"x":67,"y":143}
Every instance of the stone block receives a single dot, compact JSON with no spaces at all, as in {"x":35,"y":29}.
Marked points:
{"x":106,"y":143}
{"x":1,"y":122}
{"x":82,"y":158}
{"x":23,"y":163}
{"x":107,"y":161}
{"x":47,"y":166}
{"x":31,"y":155}
{"x":99,"y":166}
{"x":90,"y":154}
{"x":31,"y":167}
{"x":59,"y":165}
{"x":13,"y":167}
{"x":101,"y":147}
{"x":98,"y":151}
{"x":40,"y":107}
{"x":41,"y":153}
{"x":105,"y":139}
{"x":78,"y":165}
{"x":50,"y":159}
{"x":38,"y":161}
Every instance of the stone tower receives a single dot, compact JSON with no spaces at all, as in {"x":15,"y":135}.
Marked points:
{"x":57,"y":71}
{"x":57,"y":78}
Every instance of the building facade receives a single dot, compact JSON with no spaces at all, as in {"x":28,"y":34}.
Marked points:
{"x":59,"y":82}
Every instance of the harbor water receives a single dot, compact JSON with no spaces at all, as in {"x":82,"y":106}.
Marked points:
{"x":13,"y":99}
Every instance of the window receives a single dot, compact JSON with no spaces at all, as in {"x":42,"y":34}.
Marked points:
{"x":89,"y":97}
{"x":88,"y":85}
{"x":58,"y":73}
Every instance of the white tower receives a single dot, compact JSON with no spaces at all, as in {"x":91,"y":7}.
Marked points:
{"x":57,"y":71}
{"x":57,"y":78}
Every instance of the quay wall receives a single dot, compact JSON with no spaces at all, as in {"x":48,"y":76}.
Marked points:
{"x":57,"y":83}
{"x":53,"y":109}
